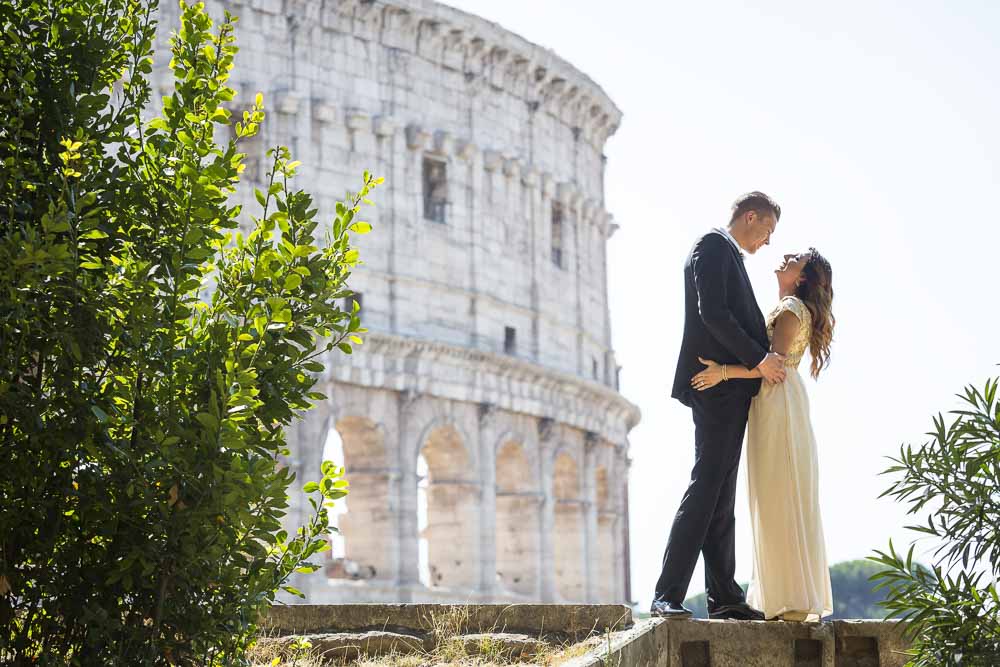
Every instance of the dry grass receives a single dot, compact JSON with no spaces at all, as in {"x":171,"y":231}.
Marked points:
{"x":448,"y":655}
{"x":445,"y":627}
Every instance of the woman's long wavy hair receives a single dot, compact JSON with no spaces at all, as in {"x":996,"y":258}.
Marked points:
{"x":816,"y":291}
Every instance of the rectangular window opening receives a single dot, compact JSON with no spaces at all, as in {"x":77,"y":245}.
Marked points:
{"x":350,"y":300}
{"x":557,"y":234}
{"x":510,"y":340}
{"x":435,"y":189}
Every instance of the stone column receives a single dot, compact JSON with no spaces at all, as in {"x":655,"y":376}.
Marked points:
{"x":591,"y":538}
{"x":624,"y":548}
{"x":533,"y":213}
{"x":570,"y":198}
{"x":408,"y":540}
{"x":395,"y":194}
{"x":487,"y":216}
{"x":546,"y":446}
{"x":488,"y":501}
{"x":470,"y":156}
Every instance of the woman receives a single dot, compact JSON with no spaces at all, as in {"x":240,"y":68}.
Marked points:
{"x":791,"y":580}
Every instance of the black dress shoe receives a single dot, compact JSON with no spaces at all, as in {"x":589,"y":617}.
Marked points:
{"x":738,"y":612}
{"x":669,"y":609}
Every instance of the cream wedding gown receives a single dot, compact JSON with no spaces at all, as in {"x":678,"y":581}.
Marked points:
{"x":790,"y":573}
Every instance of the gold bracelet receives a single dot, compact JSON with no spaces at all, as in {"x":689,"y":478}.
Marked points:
{"x":725,"y":373}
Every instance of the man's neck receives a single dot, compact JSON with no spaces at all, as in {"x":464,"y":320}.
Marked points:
{"x":738,"y":233}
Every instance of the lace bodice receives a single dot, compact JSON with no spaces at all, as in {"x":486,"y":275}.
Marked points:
{"x":801,"y":340}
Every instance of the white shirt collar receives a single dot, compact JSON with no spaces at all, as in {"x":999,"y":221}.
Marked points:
{"x":725,"y":232}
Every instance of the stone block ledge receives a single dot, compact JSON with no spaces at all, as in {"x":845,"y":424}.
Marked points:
{"x":570,"y":620}
{"x":699,"y":643}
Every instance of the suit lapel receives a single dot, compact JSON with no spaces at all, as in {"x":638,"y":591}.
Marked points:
{"x":738,"y":258}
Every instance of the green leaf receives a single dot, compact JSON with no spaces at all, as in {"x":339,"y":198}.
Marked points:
{"x":208,"y":421}
{"x":310,"y":487}
{"x":293,"y":281}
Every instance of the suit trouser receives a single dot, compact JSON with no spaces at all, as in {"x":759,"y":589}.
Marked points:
{"x":705,"y":521}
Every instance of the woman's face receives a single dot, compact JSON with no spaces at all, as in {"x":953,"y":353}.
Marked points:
{"x":790,"y":272}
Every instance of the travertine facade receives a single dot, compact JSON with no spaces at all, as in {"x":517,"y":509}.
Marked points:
{"x":489,"y":360}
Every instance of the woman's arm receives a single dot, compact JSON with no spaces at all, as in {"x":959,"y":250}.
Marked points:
{"x":716,"y":373}
{"x":785,"y":329}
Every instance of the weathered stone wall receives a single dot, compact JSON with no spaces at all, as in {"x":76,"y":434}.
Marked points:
{"x":651,"y":642}
{"x":524,"y":433}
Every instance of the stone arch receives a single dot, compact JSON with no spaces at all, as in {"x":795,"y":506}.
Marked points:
{"x":433,"y":416}
{"x":568,"y":528}
{"x":367,"y":525}
{"x":452,"y":502}
{"x":517,"y":519}
{"x":565,"y":476}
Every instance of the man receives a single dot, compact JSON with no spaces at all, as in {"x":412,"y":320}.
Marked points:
{"x":722,"y":321}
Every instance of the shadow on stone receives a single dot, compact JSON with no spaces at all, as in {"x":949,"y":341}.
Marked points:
{"x":695,"y":654}
{"x":808,"y":653}
{"x":857,"y":652}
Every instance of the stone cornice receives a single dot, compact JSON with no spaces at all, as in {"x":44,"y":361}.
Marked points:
{"x":485,"y":52}
{"x":477,"y":376}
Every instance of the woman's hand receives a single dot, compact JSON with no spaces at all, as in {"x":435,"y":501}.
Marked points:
{"x":709,"y":377}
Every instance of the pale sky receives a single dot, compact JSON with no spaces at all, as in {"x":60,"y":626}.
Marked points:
{"x":876,"y":126}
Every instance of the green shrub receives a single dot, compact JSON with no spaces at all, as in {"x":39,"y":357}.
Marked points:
{"x":953,"y":479}
{"x":151,"y":355}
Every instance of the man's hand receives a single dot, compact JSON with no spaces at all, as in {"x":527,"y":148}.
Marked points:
{"x":773,"y":368}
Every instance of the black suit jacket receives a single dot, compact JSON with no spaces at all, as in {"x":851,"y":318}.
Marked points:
{"x":722,"y":320}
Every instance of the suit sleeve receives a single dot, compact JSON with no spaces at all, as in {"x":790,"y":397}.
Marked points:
{"x":712,"y":260}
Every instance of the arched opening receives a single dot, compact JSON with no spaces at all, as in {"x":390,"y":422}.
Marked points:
{"x":517,"y":521}
{"x":568,"y":530}
{"x":452,"y":501}
{"x":607,"y":581}
{"x":333,"y":451}
{"x":365,"y":521}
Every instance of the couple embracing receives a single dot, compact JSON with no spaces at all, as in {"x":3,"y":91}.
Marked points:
{"x":738,"y":373}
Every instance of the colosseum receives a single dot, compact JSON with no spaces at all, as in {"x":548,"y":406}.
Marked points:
{"x":482,"y":430}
